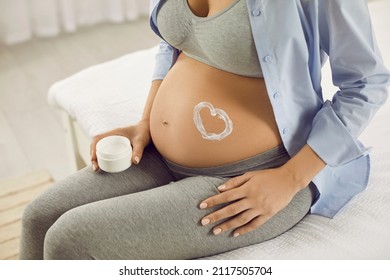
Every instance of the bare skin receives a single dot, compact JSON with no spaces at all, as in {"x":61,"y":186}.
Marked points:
{"x":244,"y":99}
{"x":253,"y":197}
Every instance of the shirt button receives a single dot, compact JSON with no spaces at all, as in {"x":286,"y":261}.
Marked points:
{"x":268,"y":59}
{"x":277,"y":95}
{"x":285,"y":130}
{"x":256,"y":13}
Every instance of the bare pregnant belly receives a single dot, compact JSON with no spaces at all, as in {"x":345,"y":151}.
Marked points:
{"x":202,"y":116}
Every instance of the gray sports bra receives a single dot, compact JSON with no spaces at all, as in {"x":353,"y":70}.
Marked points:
{"x":223,"y":40}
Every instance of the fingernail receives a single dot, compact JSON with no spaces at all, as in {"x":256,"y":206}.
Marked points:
{"x":136,"y":159}
{"x":217,"y":231}
{"x":94,"y":167}
{"x":205,"y":221}
{"x":236,"y":234}
{"x":203,"y":205}
{"x":222,"y":187}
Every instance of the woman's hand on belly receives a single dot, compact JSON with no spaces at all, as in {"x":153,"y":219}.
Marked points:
{"x":139,"y":136}
{"x":253,"y":199}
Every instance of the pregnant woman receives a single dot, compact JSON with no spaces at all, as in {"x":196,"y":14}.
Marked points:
{"x":236,"y":144}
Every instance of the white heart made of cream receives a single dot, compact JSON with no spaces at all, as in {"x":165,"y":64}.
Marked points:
{"x":221,"y":114}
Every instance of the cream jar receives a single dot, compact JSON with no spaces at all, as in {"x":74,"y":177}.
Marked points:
{"x":114,"y":153}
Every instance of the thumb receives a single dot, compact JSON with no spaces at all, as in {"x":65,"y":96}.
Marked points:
{"x":138,"y":151}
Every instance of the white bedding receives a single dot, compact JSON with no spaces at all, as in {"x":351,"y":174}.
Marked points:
{"x":107,"y":95}
{"x":112,"y":94}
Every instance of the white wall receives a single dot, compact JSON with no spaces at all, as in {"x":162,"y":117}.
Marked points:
{"x":20,"y":20}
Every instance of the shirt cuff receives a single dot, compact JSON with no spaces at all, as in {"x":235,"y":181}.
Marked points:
{"x":331,"y":140}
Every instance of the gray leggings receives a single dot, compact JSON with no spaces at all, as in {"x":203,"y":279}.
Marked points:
{"x":149,"y":211}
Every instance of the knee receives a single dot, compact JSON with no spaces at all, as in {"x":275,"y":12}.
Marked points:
{"x":37,"y":214}
{"x":46,"y":208}
{"x":67,"y":238}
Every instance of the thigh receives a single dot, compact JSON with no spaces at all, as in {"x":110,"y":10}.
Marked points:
{"x":86,"y":186}
{"x":161,"y":223}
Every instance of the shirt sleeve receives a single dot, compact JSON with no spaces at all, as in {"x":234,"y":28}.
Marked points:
{"x":166,"y":54}
{"x":163,"y":61}
{"x":358,"y":71}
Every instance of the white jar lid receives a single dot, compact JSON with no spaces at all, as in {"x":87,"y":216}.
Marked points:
{"x":113,"y":147}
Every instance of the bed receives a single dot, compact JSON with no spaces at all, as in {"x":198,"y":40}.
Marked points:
{"x":112,"y":94}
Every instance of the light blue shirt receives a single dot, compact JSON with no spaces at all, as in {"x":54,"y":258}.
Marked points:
{"x":293,"y":39}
